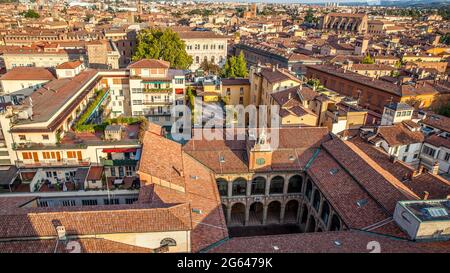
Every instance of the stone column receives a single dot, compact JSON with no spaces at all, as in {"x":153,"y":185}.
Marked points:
{"x":230,"y":188}
{"x":267,"y":186}
{"x":264,"y":214}
{"x":247,"y":215}
{"x":228,"y":214}
{"x":299,"y":212}
{"x":249,"y":188}
{"x":285,"y":186}
{"x":283,"y":207}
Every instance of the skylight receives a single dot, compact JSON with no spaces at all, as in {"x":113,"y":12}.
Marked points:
{"x":436,"y":212}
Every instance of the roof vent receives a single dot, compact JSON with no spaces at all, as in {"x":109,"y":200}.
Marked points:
{"x":276,"y":248}
{"x":361,"y":203}
{"x":197,"y":211}
{"x":334,"y":171}
{"x":291,"y":158}
{"x":221,"y":159}
{"x":337,"y":243}
{"x":194,"y":177}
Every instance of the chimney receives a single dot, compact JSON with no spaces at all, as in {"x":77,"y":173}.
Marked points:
{"x":289,"y":95}
{"x":420,"y":171}
{"x":425,"y":195}
{"x":393,"y":158}
{"x":435,"y":168}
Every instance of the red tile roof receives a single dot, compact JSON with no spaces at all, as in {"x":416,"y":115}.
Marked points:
{"x":149,"y":63}
{"x":28,"y":73}
{"x":327,"y":242}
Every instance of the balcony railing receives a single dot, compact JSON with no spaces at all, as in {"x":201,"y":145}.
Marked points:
{"x":118,"y":162}
{"x":53,"y":163}
{"x":157,"y":90}
{"x":155,"y":102}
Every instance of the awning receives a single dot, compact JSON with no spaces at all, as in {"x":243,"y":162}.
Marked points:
{"x":120,"y":150}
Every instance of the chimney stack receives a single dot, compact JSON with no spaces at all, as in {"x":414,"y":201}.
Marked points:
{"x":425,"y":195}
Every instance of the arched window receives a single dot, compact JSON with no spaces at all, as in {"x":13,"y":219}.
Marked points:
{"x":308,"y":189}
{"x":335,"y":223}
{"x":222,"y":184}
{"x":276,"y":185}
{"x":295,"y":184}
{"x":258,"y":185}
{"x":316,"y":200}
{"x":239,"y":186}
{"x":168,"y":242}
{"x":197,"y":59}
{"x":325,"y":212}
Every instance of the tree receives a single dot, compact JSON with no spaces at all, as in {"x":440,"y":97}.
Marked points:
{"x":368,"y":60}
{"x":241,"y":66}
{"x":235,"y":67}
{"x":164,"y":44}
{"x":209,"y":67}
{"x":30,"y":14}
{"x":309,"y":17}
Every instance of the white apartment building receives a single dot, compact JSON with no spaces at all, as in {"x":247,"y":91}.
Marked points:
{"x":155,"y":89}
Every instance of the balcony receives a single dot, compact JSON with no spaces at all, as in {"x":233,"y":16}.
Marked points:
{"x":157,"y":102}
{"x":53,"y":163}
{"x":118,"y":162}
{"x":158,"y":90}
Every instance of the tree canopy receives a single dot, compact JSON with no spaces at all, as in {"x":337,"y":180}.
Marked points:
{"x":209,"y":67}
{"x":368,"y":60}
{"x":164,"y":45}
{"x":30,"y":14}
{"x":235,"y":67}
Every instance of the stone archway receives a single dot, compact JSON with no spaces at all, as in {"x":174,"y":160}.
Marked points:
{"x":256,"y":214}
{"x":295,"y":184}
{"x":274,"y":212}
{"x":237,"y":214}
{"x":258,"y":186}
{"x":239,"y":187}
{"x":291,"y":211}
{"x":276,"y":185}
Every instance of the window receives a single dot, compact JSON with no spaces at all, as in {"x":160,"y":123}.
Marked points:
{"x":197,"y":59}
{"x":447,"y":156}
{"x":130,"y":200}
{"x":27,"y":155}
{"x":179,"y":81}
{"x":68,"y":203}
{"x":113,"y":171}
{"x":407,"y":148}
{"x":137,"y":102}
{"x":45,"y":137}
{"x":404,"y":158}
{"x":90,"y":202}
{"x":429,"y":151}
{"x":241,"y":91}
{"x":22,"y":137}
{"x":260,"y":161}
{"x":168,"y":242}
{"x":71,"y":154}
{"x":114,"y":201}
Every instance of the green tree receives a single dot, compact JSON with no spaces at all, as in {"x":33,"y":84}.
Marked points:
{"x":235,"y":67}
{"x":161,"y":44}
{"x":30,"y":14}
{"x":309,"y":17}
{"x":368,"y":60}
{"x":241,"y":66}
